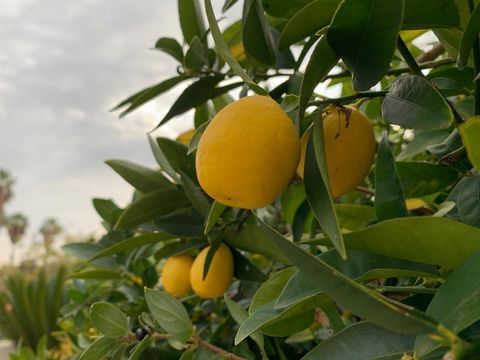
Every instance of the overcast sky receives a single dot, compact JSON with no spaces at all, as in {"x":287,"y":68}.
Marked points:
{"x":63,"y":64}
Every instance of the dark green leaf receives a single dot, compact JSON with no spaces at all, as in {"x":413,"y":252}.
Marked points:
{"x":140,"y":177}
{"x":146,"y":341}
{"x":171,"y":47}
{"x":245,"y":270}
{"x":466,"y":195}
{"x":456,"y":305}
{"x":185,"y":226}
{"x":109,"y":320}
{"x":216,"y":210}
{"x":361,"y":266}
{"x":170,"y":314}
{"x":191,"y":19}
{"x":96,"y":274}
{"x":130,"y":244}
{"x":362,"y":341}
{"x":317,"y":188}
{"x":85,"y":251}
{"x":196,"y":196}
{"x":414,"y":103}
{"x":179,"y":247}
{"x":421,"y":141}
{"x":322,"y":60}
{"x":196,"y":56}
{"x":196,"y":94}
{"x":257,"y":38}
{"x":107,"y":209}
{"x":228,"y":4}
{"x":150,"y":207}
{"x":389,"y":197}
{"x":423,"y":239}
{"x":284,"y":8}
{"x":145,"y":95}
{"x":173,"y":156}
{"x":225,"y":52}
{"x":359,"y":299}
{"x":364,"y":34}
{"x":470,"y":35}
{"x":430,"y":14}
{"x":420,"y":178}
{"x":311,"y":18}
{"x":98,"y":349}
{"x":354,"y":216}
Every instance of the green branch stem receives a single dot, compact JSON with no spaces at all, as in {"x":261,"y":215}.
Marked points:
{"x":349,"y":98}
{"x":415,"y":69}
{"x":476,"y":63}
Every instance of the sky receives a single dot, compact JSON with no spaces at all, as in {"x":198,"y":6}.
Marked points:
{"x":63,"y":65}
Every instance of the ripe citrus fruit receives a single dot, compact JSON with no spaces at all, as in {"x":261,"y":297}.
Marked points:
{"x":248,"y":153}
{"x":349,"y":148}
{"x":219,"y":275}
{"x":176,"y":275}
{"x":186,"y":136}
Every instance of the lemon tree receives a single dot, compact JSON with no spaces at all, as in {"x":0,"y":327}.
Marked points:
{"x":325,"y":203}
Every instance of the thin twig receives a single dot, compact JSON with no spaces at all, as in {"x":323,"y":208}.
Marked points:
{"x":349,"y":98}
{"x":431,"y":54}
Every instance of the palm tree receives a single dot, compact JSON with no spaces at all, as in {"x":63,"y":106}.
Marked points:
{"x":16,"y":226}
{"x":49,"y":229}
{"x":6,"y":193}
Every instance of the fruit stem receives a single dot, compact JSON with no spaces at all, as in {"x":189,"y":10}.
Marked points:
{"x":349,"y":98}
{"x":476,"y":63}
{"x":415,"y":69}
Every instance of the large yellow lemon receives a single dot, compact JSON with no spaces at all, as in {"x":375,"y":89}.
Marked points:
{"x":248,"y":153}
{"x":349,"y":147}
{"x":219,"y":275}
{"x":176,"y":275}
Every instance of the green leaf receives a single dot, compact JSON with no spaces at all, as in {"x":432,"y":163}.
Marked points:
{"x":172,"y":155}
{"x":245,"y":270}
{"x":420,"y":142}
{"x":322,"y":60}
{"x":354,"y":216}
{"x":182,"y":225}
{"x":421,"y":179}
{"x":193,"y":145}
{"x":196,"y":56}
{"x":150,"y":207}
{"x":423,"y":239}
{"x":284,"y":8}
{"x":225,"y":53}
{"x":85,"y":251}
{"x":179,"y":247}
{"x":271,"y":289}
{"x":414,"y":103}
{"x":170,"y":314}
{"x":96,"y":274}
{"x":275,"y":322}
{"x":362,"y":341}
{"x":356,"y":297}
{"x":311,"y":18}
{"x":107,"y":209}
{"x":140,"y":177}
{"x":456,"y":304}
{"x":252,"y":239}
{"x":430,"y":14}
{"x":191,"y":19}
{"x":142,"y":345}
{"x":364,"y":34}
{"x":361,"y":266}
{"x":257,"y":38}
{"x":197,"y":198}
{"x":195,"y":95}
{"x":317,"y":187}
{"x":466,"y":195}
{"x":171,"y":47}
{"x":145,"y":95}
{"x":216,"y":210}
{"x":470,"y":35}
{"x":470,"y":132}
{"x":239,"y":314}
{"x":130,"y":244}
{"x":109,"y":320}
{"x":98,"y":349}
{"x":389,"y":197}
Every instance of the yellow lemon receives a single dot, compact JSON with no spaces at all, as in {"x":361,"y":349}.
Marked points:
{"x":248,"y":153}
{"x":219,"y":275}
{"x":413,"y":204}
{"x":186,"y":136}
{"x":349,"y":148}
{"x":176,"y":275}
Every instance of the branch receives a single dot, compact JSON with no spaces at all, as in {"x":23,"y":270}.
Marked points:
{"x":431,"y":54}
{"x":349,"y":98}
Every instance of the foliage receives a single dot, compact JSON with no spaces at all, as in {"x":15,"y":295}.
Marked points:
{"x":386,"y":270}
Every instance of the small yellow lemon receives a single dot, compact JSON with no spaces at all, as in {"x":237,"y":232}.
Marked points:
{"x":349,"y":148}
{"x":186,"y":136}
{"x":413,"y":204}
{"x":219,"y":275}
{"x":248,"y":153}
{"x":176,"y":275}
